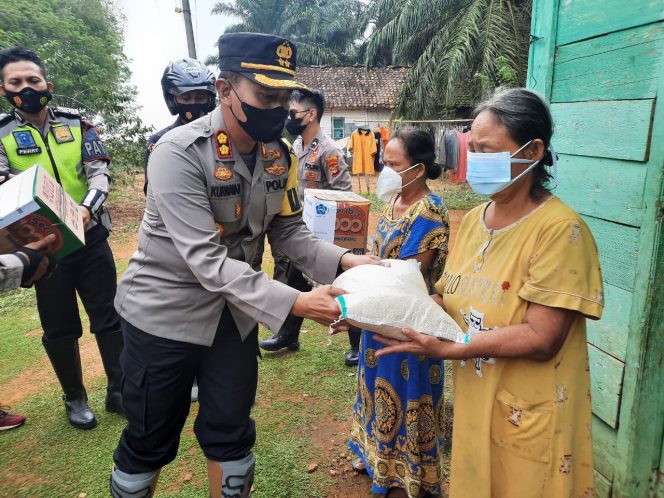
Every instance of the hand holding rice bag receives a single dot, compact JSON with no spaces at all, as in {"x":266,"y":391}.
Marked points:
{"x":385,"y":299}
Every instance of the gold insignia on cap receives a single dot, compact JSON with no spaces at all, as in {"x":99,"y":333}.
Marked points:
{"x":272,"y":83}
{"x":284,"y":52}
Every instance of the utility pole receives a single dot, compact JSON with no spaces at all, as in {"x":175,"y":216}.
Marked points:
{"x":186,"y":10}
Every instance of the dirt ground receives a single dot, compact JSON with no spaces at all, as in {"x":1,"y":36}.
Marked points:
{"x":333,"y":456}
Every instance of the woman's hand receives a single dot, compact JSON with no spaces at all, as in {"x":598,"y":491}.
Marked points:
{"x":338,"y":326}
{"x":419,"y":344}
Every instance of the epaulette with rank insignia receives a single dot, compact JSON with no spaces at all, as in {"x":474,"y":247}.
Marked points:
{"x":67,"y":111}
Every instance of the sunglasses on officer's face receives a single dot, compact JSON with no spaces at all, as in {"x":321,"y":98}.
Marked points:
{"x":293,"y":113}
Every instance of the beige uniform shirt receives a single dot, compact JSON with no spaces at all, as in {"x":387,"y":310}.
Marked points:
{"x":204,"y":217}
{"x":321,"y":165}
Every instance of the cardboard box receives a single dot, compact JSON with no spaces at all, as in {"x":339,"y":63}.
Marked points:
{"x":32,"y":206}
{"x":339,"y":217}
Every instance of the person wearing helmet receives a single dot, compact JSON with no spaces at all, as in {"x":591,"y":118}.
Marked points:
{"x":189,"y":92}
{"x":188,"y":87}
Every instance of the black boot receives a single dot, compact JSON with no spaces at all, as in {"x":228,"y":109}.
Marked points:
{"x":66,"y":361}
{"x":354,"y":337}
{"x":280,"y":341}
{"x":352,"y":357}
{"x":287,"y":337}
{"x":110,"y":346}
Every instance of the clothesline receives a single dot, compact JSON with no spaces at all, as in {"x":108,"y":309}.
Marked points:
{"x":398,"y":122}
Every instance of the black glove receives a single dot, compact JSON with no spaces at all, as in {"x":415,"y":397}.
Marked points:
{"x":31,"y":265}
{"x":4,"y":176}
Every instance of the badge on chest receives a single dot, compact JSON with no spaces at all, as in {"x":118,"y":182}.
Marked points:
{"x":62,"y":134}
{"x":26,"y":143}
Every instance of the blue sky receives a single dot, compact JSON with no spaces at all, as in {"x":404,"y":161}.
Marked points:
{"x":154,"y":35}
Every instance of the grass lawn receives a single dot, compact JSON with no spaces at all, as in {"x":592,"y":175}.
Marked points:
{"x":47,"y":457}
{"x":299,"y":397}
{"x":302,"y":410}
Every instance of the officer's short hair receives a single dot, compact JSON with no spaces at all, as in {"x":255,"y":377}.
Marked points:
{"x":314,"y":98}
{"x":18,"y":54}
{"x":231,"y":76}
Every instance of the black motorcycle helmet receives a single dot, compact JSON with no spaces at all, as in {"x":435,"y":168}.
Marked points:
{"x":185,"y":75}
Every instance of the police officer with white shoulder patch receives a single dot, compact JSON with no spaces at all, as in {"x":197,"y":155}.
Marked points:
{"x":189,"y":301}
{"x":69,"y":149}
{"x":320,"y":165}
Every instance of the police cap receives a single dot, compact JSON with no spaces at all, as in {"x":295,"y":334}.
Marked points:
{"x":267,"y":60}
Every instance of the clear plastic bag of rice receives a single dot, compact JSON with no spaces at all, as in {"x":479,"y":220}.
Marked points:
{"x":387,"y":298}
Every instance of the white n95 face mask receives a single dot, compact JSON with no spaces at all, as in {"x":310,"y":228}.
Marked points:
{"x":390,"y":184}
{"x":491,"y":172}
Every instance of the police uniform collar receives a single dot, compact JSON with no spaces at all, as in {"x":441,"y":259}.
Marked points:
{"x":315,"y":142}
{"x":50,"y":118}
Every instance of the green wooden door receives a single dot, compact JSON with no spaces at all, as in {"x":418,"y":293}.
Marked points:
{"x":600,"y":63}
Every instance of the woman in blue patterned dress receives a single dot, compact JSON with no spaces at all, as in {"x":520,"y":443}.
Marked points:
{"x":397,"y":423}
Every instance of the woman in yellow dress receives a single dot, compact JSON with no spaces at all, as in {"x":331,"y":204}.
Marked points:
{"x":521,"y":280}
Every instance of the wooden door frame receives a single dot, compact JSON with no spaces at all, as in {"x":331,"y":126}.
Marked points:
{"x":641,"y":421}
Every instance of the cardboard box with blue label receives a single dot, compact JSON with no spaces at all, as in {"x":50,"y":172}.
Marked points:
{"x":338,"y":217}
{"x":32,"y":206}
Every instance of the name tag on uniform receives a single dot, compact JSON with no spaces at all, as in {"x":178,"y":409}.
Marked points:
{"x":26,"y":143}
{"x":223,"y":191}
{"x":62,"y":134}
{"x":275,"y":185}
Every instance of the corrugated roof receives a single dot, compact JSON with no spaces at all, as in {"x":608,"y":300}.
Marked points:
{"x":355,"y":86}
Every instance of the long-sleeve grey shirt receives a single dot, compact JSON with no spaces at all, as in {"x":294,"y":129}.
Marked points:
{"x":204,"y":217}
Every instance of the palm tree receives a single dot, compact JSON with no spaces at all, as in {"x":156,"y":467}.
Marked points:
{"x":476,"y":44}
{"x":324,"y":30}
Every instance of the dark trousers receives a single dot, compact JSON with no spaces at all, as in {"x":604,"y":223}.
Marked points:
{"x":157,"y":388}
{"x":91,"y":272}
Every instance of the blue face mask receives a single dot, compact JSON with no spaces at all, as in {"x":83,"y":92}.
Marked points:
{"x":491,"y":172}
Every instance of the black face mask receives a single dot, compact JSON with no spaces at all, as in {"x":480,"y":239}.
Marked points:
{"x":263,"y":125}
{"x":189,"y":112}
{"x":295,"y":126}
{"x":29,"y":100}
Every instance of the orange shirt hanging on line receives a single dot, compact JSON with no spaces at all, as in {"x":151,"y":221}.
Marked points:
{"x":384,"y":134}
{"x":363,"y":145}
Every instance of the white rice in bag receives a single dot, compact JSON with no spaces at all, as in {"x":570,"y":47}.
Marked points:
{"x":385,"y":299}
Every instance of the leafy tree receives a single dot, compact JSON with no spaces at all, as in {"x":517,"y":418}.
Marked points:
{"x":473,"y":44}
{"x":80,"y":43}
{"x":324,"y":30}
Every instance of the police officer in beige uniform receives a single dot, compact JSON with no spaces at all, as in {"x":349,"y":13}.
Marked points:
{"x":189,"y":301}
{"x":320,"y":165}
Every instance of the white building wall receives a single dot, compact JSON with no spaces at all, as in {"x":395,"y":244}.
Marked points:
{"x":357,"y":117}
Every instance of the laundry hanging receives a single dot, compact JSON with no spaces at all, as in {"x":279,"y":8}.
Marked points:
{"x":363,"y":145}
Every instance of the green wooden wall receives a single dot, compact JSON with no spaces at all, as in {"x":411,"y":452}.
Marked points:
{"x":600,"y":64}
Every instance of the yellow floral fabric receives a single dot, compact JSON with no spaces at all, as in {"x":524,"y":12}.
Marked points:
{"x":522,"y":427}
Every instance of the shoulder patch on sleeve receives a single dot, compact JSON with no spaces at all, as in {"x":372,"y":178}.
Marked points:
{"x":92,"y":147}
